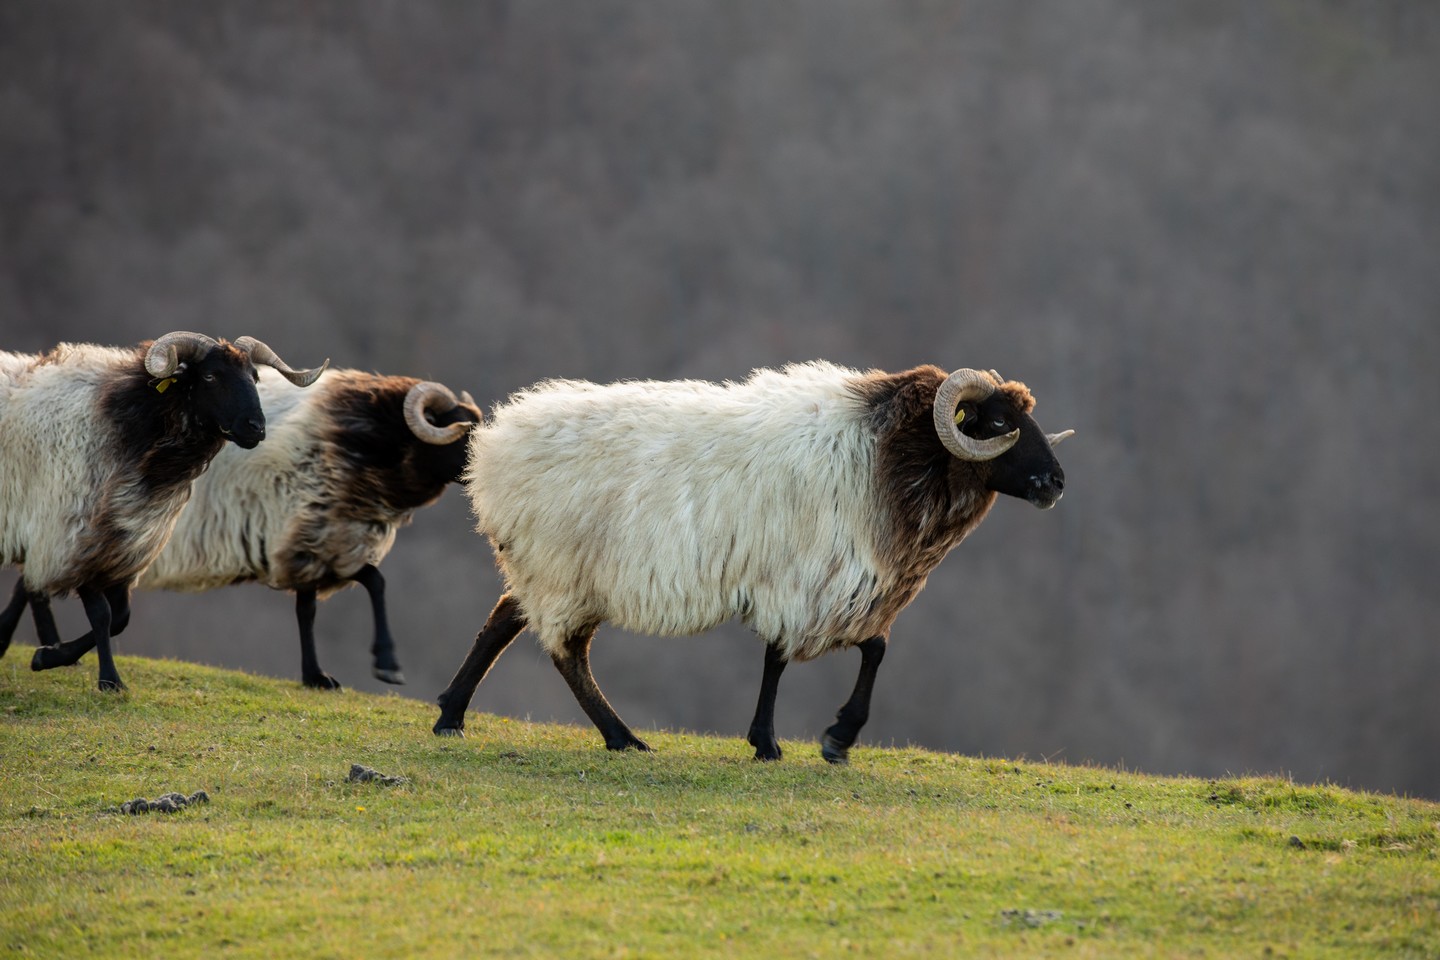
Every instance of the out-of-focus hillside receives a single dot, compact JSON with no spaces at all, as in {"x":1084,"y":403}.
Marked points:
{"x":1205,"y":235}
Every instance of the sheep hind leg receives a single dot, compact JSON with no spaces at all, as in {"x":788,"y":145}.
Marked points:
{"x":573,"y":662}
{"x":835,"y":746}
{"x":504,"y":624}
{"x":384,"y":666}
{"x":44,"y":619}
{"x":10,"y":616}
{"x":310,"y":673}
{"x":762,"y":728}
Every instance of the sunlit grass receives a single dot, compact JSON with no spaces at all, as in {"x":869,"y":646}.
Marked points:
{"x":531,"y":840}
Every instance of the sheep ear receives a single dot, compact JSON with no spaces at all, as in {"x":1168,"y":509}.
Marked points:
{"x":161,"y":384}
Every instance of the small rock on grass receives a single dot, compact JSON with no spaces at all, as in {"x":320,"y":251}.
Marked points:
{"x":165,"y":803}
{"x":1030,"y":918}
{"x":359,"y":773}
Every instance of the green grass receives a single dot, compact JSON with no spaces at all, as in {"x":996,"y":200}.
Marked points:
{"x":531,"y":840}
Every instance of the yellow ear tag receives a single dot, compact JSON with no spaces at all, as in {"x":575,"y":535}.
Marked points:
{"x":164,"y":385}
{"x":959,"y":415}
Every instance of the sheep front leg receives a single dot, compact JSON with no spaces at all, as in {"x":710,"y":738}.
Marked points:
{"x":835,"y":747}
{"x":56,"y":654}
{"x":310,"y":673}
{"x":504,"y":624}
{"x":382,"y":652}
{"x":573,"y":662}
{"x":762,"y":728}
{"x":97,"y":611}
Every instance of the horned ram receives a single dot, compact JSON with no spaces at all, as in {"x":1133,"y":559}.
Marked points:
{"x":812,"y":502}
{"x":99,"y":447}
{"x":348,"y":462}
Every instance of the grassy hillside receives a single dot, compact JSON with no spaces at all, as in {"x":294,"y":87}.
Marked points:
{"x":532,"y":840}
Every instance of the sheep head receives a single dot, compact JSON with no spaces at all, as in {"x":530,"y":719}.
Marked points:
{"x":982,"y":419}
{"x":217,"y":380}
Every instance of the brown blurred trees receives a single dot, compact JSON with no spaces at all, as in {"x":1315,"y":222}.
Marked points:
{"x":1204,"y":233}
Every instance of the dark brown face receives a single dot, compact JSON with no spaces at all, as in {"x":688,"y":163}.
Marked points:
{"x":1028,"y":470}
{"x":384,"y":461}
{"x":222,"y":392}
{"x":447,"y":461}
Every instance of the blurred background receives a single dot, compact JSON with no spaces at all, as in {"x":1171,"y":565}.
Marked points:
{"x":1205,"y":233}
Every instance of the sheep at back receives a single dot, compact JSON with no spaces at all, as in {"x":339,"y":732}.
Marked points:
{"x":317,"y":507}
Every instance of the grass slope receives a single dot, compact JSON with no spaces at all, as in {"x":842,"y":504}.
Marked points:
{"x":532,"y":840}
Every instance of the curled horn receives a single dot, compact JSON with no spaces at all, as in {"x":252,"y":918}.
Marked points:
{"x":963,"y":386}
{"x":436,"y":397}
{"x":173,"y":349}
{"x":260,"y":353}
{"x":1055,"y":438}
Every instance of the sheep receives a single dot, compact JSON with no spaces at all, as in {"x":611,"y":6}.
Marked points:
{"x":812,"y":502}
{"x":347,"y":463}
{"x":99,"y":447}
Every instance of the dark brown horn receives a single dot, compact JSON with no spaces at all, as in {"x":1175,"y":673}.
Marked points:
{"x":436,"y":397}
{"x":176,"y":348}
{"x":260,"y":353}
{"x":963,"y":386}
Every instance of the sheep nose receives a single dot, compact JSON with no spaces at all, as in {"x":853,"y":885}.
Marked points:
{"x":1053,"y":481}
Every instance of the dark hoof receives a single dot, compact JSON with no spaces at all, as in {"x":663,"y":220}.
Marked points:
{"x":388,"y":676}
{"x":634,"y":743}
{"x":43,"y":660}
{"x":443,"y":728}
{"x":322,"y":682}
{"x":111,"y":686}
{"x":766,"y":751}
{"x":834,"y":751}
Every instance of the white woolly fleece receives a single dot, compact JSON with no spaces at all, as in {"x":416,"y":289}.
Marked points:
{"x":668,"y":507}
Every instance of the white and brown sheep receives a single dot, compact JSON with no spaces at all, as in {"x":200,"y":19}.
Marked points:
{"x":812,"y":502}
{"x":316,"y":509}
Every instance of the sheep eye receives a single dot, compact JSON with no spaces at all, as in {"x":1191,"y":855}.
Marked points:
{"x":208,"y":378}
{"x":998,"y":424}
